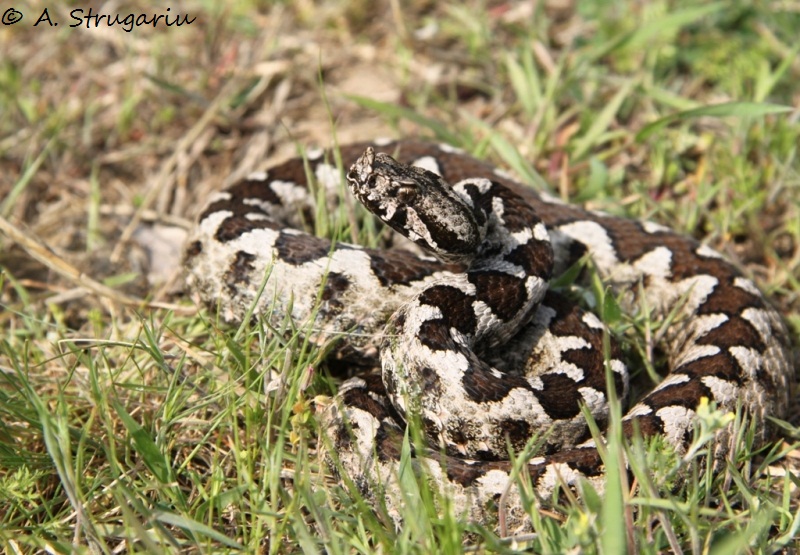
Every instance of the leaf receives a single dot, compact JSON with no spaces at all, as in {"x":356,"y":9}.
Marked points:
{"x":668,"y":24}
{"x":196,"y":527}
{"x":145,"y":446}
{"x":671,"y":23}
{"x":386,"y":108}
{"x":602,"y":122}
{"x":738,"y":109}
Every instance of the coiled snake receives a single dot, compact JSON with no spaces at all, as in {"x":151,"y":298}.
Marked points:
{"x":470,"y":342}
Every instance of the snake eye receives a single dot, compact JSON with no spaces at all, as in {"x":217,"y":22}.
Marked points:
{"x":406,"y":190}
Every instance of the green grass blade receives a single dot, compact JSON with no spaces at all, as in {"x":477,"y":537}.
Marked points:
{"x":145,"y":446}
{"x":196,"y":527}
{"x":440,"y":130}
{"x":737,"y":109}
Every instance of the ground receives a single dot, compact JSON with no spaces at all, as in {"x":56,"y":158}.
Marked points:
{"x":132,"y":420}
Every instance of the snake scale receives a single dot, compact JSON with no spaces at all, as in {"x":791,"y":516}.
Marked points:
{"x":469,"y":340}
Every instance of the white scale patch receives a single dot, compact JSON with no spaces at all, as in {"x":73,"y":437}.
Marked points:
{"x":486,"y":319}
{"x":428,"y":163}
{"x":750,"y":360}
{"x":673,"y":379}
{"x":352,"y":383}
{"x":708,"y":252}
{"x":258,"y":203}
{"x":314,"y":153}
{"x":258,"y":176}
{"x":503,"y":174}
{"x":364,"y":426}
{"x":509,"y":268}
{"x":592,"y":321}
{"x":761,"y":321}
{"x":498,"y":209}
{"x":656,"y":263}
{"x":495,"y":481}
{"x":618,"y":367}
{"x":450,"y":149}
{"x":701,"y":325}
{"x":725,"y":393}
{"x":289,"y":193}
{"x":540,"y":232}
{"x":595,"y":400}
{"x":571,"y":371}
{"x":639,"y":410}
{"x":450,"y":366}
{"x":520,"y":238}
{"x":652,"y":227}
{"x":555,"y":475}
{"x":328,"y":176}
{"x":481,"y":183}
{"x":746,"y":285}
{"x":697,"y":289}
{"x":219,"y":196}
{"x":695,"y":352}
{"x":596,"y":239}
{"x":415,"y":228}
{"x":570,"y":343}
{"x":676,"y":420}
{"x":212,"y":222}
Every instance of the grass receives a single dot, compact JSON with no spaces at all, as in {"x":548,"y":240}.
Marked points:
{"x":132,"y":422}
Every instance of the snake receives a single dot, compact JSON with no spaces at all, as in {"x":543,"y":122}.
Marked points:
{"x":451,"y":322}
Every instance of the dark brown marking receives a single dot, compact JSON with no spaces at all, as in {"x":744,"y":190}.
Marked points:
{"x":429,"y":381}
{"x":648,"y":425}
{"x":435,"y":335}
{"x":335,"y":284}
{"x":482,"y":386}
{"x":503,"y":293}
{"x":195,"y":248}
{"x":334,"y":287}
{"x":559,"y":398}
{"x":568,"y":322}
{"x":727,"y":296}
{"x":735,"y":332}
{"x":234,"y":227}
{"x":518,"y":432}
{"x":535,"y":258}
{"x":360,"y":397}
{"x":686,"y":394}
{"x":239,"y":270}
{"x":721,"y":365}
{"x":400,"y":267}
{"x":245,"y":189}
{"x":299,"y":249}
{"x":456,"y":307}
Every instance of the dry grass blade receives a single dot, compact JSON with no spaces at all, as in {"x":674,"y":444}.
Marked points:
{"x":44,"y":254}
{"x":163,"y":179}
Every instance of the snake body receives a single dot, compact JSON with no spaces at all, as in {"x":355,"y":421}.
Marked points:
{"x":469,"y":341}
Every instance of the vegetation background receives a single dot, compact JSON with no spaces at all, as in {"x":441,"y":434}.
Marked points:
{"x":132,"y":421}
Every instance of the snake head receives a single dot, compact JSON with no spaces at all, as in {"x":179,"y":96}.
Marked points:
{"x":419,"y":205}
